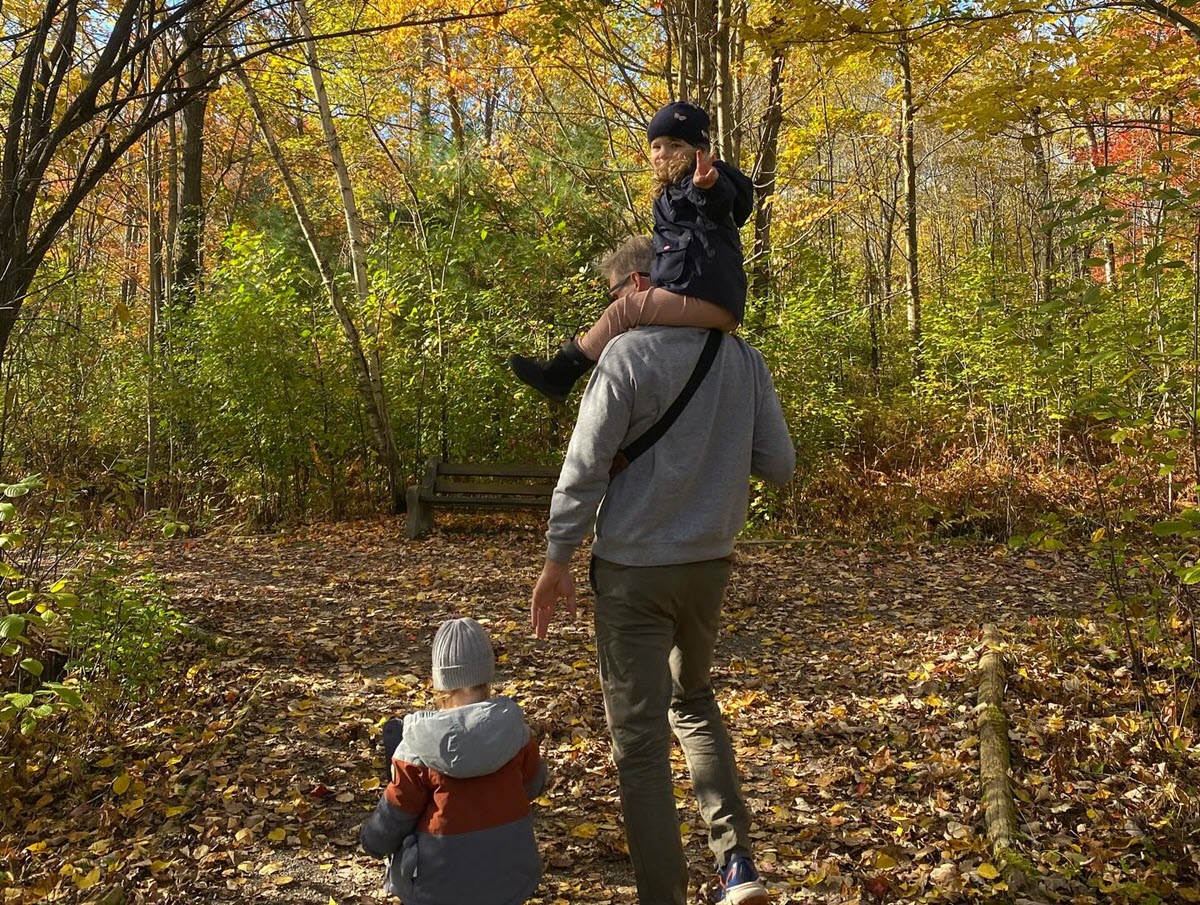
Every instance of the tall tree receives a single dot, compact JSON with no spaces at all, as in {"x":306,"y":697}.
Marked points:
{"x":70,"y":92}
{"x":766,"y":169}
{"x":909,"y":156}
{"x":85,"y":86}
{"x":190,"y":236}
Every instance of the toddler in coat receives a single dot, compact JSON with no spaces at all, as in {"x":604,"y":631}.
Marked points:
{"x":455,"y":820}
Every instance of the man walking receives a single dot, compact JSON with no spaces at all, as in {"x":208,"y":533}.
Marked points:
{"x":661,"y":558}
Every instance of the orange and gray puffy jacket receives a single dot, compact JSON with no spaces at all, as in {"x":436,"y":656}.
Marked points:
{"x":456,"y":819}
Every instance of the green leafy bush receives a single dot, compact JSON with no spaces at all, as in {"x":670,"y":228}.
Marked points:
{"x":77,"y":629}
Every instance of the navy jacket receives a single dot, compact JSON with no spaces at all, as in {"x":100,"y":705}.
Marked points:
{"x":697,"y":250}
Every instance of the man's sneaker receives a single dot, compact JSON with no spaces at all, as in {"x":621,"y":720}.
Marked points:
{"x":739,"y":883}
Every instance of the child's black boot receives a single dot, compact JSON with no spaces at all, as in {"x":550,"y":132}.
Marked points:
{"x":556,"y":377}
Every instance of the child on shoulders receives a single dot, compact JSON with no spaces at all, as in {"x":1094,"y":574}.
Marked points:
{"x":697,"y":279}
{"x":455,"y":819}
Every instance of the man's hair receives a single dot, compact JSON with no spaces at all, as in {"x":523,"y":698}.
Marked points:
{"x":634,"y":255}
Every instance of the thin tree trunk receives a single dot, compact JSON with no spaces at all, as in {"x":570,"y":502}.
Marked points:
{"x":1099,"y":154}
{"x":129,"y":281}
{"x":705,"y":25}
{"x":171,"y":229}
{"x":369,"y":385}
{"x":9,"y":398}
{"x":452,"y":100}
{"x":425,"y":98}
{"x":154,"y":285}
{"x":1196,"y":355}
{"x":873,"y":306}
{"x":765,"y":171}
{"x":358,"y":260}
{"x":726,"y":121}
{"x":1042,"y":216}
{"x":738,"y":43}
{"x":908,"y":139}
{"x":831,"y":219}
{"x":191,"y":189}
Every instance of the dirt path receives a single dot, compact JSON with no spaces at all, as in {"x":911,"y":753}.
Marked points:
{"x":846,"y":677}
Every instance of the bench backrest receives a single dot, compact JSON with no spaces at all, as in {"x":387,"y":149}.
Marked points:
{"x":458,"y":478}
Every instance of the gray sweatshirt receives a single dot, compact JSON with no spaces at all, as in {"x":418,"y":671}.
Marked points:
{"x":685,"y":499}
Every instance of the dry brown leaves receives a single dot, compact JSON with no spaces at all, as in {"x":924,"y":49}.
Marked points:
{"x":846,"y":676}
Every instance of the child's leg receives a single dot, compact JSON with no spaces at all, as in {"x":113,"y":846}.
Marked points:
{"x":653,"y":306}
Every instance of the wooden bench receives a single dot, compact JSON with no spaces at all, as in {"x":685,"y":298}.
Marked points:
{"x":479,"y":486}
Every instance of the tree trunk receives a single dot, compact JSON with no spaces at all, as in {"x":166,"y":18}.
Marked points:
{"x":873,"y":306}
{"x":452,"y":100}
{"x":1099,"y":154}
{"x":726,"y":121}
{"x":692,"y":26}
{"x":425,"y":98}
{"x":129,"y":280}
{"x":832,"y":219}
{"x":191,"y":188}
{"x":1044,"y":254}
{"x":738,"y":44}
{"x":908,"y":140}
{"x":171,"y":230}
{"x":370,"y":384}
{"x":154,"y":287}
{"x":765,"y":171}
{"x":1194,"y":415}
{"x":20,"y":270}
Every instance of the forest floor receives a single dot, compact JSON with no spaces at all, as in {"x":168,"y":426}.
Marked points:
{"x":846,"y":674}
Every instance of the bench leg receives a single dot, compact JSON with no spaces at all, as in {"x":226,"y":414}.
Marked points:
{"x":420,"y":514}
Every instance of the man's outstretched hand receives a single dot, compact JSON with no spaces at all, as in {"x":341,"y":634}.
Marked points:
{"x":706,"y":174}
{"x":555,"y":583}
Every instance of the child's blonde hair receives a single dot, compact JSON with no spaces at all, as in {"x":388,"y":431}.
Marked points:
{"x":459,"y":697}
{"x":676,"y":170}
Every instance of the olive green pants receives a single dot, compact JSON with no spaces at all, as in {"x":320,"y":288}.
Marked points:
{"x":656,"y":627}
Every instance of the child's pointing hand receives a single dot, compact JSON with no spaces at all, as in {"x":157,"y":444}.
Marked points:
{"x":705,"y":176}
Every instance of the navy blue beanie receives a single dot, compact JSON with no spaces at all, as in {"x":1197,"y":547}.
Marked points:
{"x":680,"y":120}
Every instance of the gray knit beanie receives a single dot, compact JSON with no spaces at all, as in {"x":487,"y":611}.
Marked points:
{"x":462,"y":655}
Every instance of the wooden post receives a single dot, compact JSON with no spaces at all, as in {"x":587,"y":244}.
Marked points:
{"x":419,"y":520}
{"x":420,"y":512}
{"x":1000,"y":812}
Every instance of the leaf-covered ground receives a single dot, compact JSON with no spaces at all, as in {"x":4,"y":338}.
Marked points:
{"x":847,"y":676}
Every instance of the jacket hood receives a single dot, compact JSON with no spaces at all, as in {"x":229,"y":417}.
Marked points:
{"x":465,"y":742}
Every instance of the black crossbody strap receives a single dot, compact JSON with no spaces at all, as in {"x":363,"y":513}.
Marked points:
{"x":662,"y":425}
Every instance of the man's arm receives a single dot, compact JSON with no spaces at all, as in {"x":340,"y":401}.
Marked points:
{"x":603,"y":422}
{"x":774,"y":455}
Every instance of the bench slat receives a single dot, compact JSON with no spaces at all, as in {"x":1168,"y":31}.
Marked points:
{"x":498,"y":471}
{"x":480,"y":488}
{"x":530,"y":502}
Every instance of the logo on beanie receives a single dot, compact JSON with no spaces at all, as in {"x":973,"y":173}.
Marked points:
{"x":681,"y":117}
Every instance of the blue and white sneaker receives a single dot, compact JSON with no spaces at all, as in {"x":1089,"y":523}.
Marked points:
{"x":739,"y":883}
